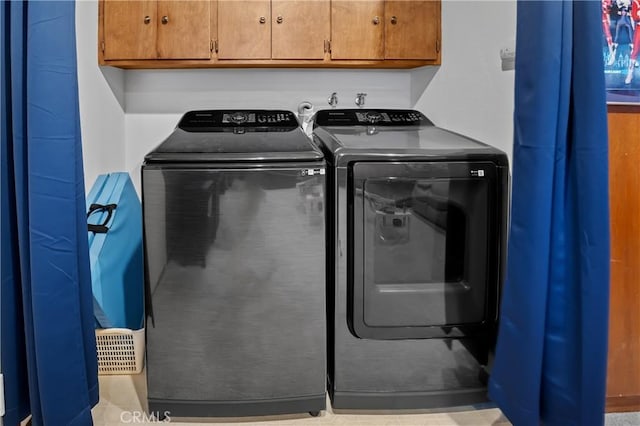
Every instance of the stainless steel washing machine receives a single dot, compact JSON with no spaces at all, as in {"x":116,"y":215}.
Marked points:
{"x":416,"y":234}
{"x":234,"y":231}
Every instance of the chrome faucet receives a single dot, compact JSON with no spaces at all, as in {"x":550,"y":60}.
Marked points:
{"x":360,"y":99}
{"x":333,"y":100}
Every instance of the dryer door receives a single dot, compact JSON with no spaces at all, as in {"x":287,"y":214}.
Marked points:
{"x":424,"y":249}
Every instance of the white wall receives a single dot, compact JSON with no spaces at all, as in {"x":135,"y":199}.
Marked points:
{"x":470,"y":94}
{"x":144,"y":132}
{"x":101,"y":93}
{"x":175,"y":91}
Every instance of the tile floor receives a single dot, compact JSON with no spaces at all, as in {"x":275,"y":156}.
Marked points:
{"x":122,"y":398}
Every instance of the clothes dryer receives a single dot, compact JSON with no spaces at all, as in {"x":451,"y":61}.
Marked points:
{"x":417,"y":222}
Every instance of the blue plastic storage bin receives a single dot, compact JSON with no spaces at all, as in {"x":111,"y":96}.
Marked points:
{"x":114,"y":215}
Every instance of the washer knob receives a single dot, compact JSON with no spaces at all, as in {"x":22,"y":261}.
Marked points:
{"x":373,"y":117}
{"x":238,"y":117}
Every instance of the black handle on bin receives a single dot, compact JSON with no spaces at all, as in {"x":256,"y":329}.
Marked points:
{"x":101,"y":228}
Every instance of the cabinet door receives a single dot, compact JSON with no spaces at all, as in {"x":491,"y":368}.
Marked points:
{"x":244,"y":29}
{"x":357,"y":29}
{"x":412,"y":29}
{"x":184,"y":29}
{"x":130,"y":29}
{"x":299,"y":28}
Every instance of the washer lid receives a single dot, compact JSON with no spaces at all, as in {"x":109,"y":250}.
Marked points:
{"x":238,"y":135}
{"x":400,"y":131}
{"x":399,"y":139}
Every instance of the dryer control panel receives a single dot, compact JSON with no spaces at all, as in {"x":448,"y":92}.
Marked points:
{"x":367,"y":117}
{"x":249,"y":120}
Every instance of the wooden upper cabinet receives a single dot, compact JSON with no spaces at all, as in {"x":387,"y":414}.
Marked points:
{"x":357,"y":29}
{"x":269,"y":33}
{"x":130,"y":29}
{"x":412,"y":29}
{"x":150,"y":29}
{"x":299,"y":28}
{"x":244,"y":29}
{"x":184,"y":30}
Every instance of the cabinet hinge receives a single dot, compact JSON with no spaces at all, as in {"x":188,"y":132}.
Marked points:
{"x":438,"y":46}
{"x":327,"y":46}
{"x":102,"y":46}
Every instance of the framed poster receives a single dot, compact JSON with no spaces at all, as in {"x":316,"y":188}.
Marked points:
{"x":621,"y":50}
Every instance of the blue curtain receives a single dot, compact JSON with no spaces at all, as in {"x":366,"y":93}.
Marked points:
{"x":48,"y":353}
{"x":550,"y":364}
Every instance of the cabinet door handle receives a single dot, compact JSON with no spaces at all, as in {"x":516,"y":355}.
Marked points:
{"x":376,"y":20}
{"x":394,"y":20}
{"x":263,"y":19}
{"x":165,"y":20}
{"x":279,"y":19}
{"x":147,"y":20}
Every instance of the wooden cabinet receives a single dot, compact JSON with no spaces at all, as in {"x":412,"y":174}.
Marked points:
{"x":244,"y":29}
{"x":278,"y":29}
{"x":269,"y":33}
{"x":357,"y":29}
{"x":184,"y":31}
{"x":300,"y":29}
{"x":149,"y":29}
{"x":130,"y":29}
{"x":411,"y":29}
{"x":385,"y":29}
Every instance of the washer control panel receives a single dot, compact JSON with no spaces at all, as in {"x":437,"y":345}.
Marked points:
{"x":248,"y":120}
{"x":366,"y":117}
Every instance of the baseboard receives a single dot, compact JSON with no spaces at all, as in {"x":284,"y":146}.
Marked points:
{"x":623,"y":403}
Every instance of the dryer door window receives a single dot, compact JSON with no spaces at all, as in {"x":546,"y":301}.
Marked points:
{"x":421,"y":249}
